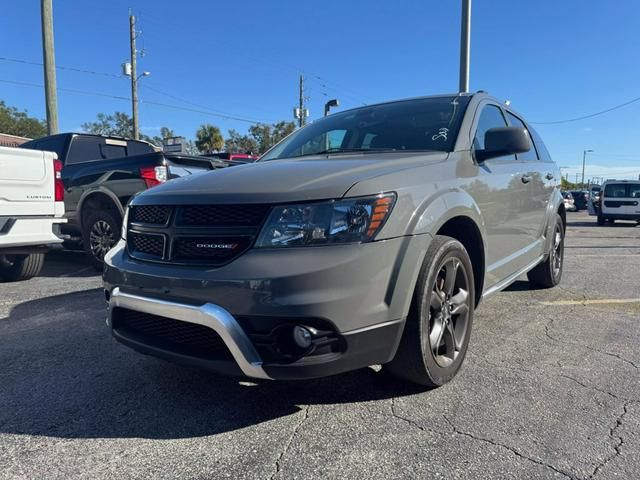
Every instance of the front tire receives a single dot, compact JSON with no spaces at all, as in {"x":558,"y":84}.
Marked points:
{"x":101,"y":231}
{"x":437,"y":331}
{"x":15,"y":268}
{"x":601,"y":219}
{"x":548,"y":273}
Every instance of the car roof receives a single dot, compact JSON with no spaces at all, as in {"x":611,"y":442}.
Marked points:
{"x":85,"y":134}
{"x":621,"y":181}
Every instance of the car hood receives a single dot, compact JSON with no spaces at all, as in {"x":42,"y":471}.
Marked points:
{"x":288,"y":180}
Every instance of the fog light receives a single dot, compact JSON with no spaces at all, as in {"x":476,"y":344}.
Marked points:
{"x":301,"y":337}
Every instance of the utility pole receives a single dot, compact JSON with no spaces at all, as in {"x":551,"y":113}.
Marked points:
{"x":465,"y":46}
{"x":134,"y":78}
{"x":300,"y":112}
{"x":584,"y":157}
{"x":301,"y":119}
{"x":48,"y":53}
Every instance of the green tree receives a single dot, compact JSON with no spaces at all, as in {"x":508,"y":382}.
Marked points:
{"x":237,"y":143}
{"x":16,"y":122}
{"x":209,"y":139}
{"x":567,"y":185}
{"x":119,"y":124}
{"x":266,"y":136}
{"x":165,"y":133}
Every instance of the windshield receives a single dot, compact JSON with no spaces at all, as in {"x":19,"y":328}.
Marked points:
{"x":410,"y":125}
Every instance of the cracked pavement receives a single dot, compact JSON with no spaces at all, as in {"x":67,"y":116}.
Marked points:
{"x":547,"y":391}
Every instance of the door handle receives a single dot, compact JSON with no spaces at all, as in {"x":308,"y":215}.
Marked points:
{"x":525,"y":178}
{"x":549,"y":176}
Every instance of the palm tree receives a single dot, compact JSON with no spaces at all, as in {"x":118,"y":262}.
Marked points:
{"x":209,"y":139}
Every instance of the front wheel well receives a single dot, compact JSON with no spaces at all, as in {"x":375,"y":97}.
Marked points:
{"x":563,"y":214}
{"x":98,"y":201}
{"x":465,"y":230}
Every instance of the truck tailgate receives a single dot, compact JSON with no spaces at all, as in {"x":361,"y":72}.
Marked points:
{"x":26,"y":182}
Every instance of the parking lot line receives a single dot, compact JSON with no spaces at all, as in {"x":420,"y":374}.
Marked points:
{"x":593,"y":302}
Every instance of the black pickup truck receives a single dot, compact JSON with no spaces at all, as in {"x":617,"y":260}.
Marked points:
{"x":100,"y":175}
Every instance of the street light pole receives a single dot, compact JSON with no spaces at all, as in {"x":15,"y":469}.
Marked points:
{"x":465,"y":46}
{"x":584,"y":157}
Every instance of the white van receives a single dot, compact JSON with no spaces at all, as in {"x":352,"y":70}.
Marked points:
{"x":31,"y":210}
{"x":619,"y":200}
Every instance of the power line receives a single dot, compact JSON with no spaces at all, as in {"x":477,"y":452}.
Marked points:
{"x":70,"y":90}
{"x":59,"y":67}
{"x":204,"y":112}
{"x":590,"y":115}
{"x":180,"y":99}
{"x":128,"y":99}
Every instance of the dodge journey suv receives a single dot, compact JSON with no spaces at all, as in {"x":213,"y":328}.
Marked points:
{"x":367,"y":237}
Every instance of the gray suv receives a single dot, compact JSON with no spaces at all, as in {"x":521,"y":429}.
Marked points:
{"x":367,"y":237}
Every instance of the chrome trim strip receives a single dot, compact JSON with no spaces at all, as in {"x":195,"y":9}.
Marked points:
{"x":209,"y":315}
{"x":510,"y":279}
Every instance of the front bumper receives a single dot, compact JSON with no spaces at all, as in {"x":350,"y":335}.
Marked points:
{"x":361,"y":293}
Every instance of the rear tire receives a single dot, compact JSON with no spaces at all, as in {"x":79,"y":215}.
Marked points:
{"x":100,"y":232}
{"x":437,"y":331}
{"x":15,"y":268}
{"x":548,"y":273}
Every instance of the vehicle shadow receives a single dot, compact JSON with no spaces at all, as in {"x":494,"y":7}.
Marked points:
{"x":595,"y":224}
{"x":65,"y":263}
{"x":64,"y":376}
{"x":518,"y":286}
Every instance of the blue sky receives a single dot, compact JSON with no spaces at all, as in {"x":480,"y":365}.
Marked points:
{"x":553,"y":59}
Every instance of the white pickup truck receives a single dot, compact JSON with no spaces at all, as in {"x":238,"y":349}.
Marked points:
{"x":31,"y":210}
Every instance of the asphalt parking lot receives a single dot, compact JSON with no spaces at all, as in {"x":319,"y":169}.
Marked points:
{"x":550,"y":389}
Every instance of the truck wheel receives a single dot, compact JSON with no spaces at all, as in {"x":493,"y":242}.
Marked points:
{"x":101,"y":231}
{"x":14,"y":268}
{"x":437,"y":331}
{"x":548,"y":273}
{"x":600,"y":219}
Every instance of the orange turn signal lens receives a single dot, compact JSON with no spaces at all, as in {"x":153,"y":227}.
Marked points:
{"x":381,"y":209}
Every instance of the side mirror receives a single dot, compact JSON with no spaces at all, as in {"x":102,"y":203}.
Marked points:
{"x":502,"y":141}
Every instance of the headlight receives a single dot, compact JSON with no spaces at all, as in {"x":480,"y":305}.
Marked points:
{"x":340,"y":221}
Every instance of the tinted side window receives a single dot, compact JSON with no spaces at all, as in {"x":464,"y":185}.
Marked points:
{"x":540,"y":146}
{"x":84,"y":149}
{"x":53,"y":144}
{"x":491,"y":117}
{"x":531,"y":155}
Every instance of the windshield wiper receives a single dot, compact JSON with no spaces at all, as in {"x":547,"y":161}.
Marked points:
{"x":344,"y":150}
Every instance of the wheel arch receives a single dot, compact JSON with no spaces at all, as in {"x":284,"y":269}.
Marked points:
{"x":98,"y":199}
{"x":455,"y":214}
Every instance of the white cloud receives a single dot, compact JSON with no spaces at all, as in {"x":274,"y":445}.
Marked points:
{"x":620,"y":172}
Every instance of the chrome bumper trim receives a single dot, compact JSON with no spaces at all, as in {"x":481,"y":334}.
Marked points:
{"x":209,"y":315}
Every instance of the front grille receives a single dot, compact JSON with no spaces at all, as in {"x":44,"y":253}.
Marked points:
{"x":169,"y":334}
{"x":218,"y":249}
{"x":147,"y":244}
{"x":222,"y":215}
{"x":151,"y":214}
{"x":207,"y":235}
